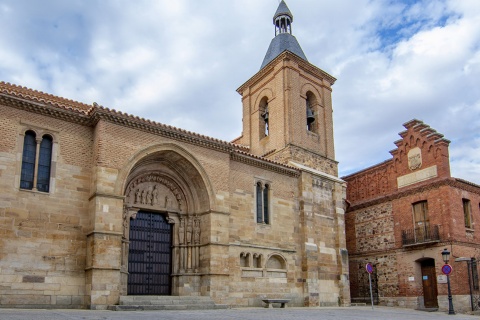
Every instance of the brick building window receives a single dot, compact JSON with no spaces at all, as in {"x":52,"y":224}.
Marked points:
{"x":36,"y":162}
{"x":262,"y":202}
{"x":467,"y":213}
{"x":420,"y":213}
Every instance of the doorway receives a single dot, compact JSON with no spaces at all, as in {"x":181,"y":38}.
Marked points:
{"x":149,"y":255}
{"x":429,"y":283}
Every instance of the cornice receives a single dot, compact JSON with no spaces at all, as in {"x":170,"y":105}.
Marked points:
{"x":310,"y":68}
{"x":42,"y":97}
{"x":166,"y":131}
{"x":367,"y":170}
{"x":264,"y":164}
{"x":451,"y":182}
{"x":65,"y":114}
{"x":260,"y":74}
{"x":312,"y":152}
{"x":302,"y":64}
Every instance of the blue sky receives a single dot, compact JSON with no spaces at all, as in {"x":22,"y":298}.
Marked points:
{"x":180,"y":63}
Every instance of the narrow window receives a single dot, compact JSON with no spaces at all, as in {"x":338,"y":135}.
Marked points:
{"x":311,"y":107}
{"x":264,"y":118}
{"x":44,"y":164}
{"x":28,"y":160}
{"x":244,"y":260}
{"x":310,"y":115}
{"x":35,"y":174}
{"x":257,"y":260}
{"x":262,"y":203}
{"x":259,"y":203}
{"x":265,"y":205}
{"x":467,"y":213}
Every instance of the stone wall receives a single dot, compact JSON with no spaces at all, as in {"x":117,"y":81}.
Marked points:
{"x":42,"y":243}
{"x":370,"y":239}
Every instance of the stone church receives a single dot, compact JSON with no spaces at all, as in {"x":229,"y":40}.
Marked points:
{"x":97,"y":205}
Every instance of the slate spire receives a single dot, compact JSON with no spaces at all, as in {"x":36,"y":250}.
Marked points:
{"x":284,"y":40}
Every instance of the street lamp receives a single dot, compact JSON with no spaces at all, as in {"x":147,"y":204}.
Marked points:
{"x":446,"y":257}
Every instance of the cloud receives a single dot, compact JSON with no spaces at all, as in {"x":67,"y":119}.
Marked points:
{"x":180,"y":62}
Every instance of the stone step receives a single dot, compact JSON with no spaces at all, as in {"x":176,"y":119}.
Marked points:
{"x":167,"y":300}
{"x":167,"y":307}
{"x":166,"y":303}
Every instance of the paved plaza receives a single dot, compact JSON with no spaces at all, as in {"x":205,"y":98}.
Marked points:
{"x":351,"y":313}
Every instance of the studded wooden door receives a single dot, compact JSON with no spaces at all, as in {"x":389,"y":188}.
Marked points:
{"x":149,"y":255}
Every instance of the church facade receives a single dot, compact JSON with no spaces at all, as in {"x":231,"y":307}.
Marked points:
{"x":96,"y":204}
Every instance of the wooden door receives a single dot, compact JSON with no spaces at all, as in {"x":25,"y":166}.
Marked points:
{"x":149,"y":255}
{"x":420,"y":214}
{"x":429,"y":281}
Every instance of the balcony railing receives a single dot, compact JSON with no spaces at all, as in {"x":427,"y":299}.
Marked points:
{"x":420,"y":235}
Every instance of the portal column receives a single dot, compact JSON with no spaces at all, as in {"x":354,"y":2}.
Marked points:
{"x":104,"y":251}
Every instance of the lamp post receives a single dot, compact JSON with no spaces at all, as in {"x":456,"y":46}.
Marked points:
{"x":447,"y":269}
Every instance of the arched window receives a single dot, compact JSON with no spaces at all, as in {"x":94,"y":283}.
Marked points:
{"x":266,"y":217}
{"x":35,"y":174}
{"x":264,"y":125}
{"x":245,"y":260}
{"x":28,"y":160}
{"x":262,"y":203}
{"x":44,"y":164}
{"x":310,"y":113}
{"x":259,"y":203}
{"x":257,"y":260}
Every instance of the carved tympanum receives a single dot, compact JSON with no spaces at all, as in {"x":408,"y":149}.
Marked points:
{"x":155,"y":191}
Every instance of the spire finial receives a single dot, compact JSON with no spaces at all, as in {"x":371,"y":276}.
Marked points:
{"x":283,"y":40}
{"x":283,"y":19}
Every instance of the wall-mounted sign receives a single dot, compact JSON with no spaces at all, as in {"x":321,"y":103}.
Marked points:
{"x":417,"y":176}
{"x":411,"y":279}
{"x":441,"y":278}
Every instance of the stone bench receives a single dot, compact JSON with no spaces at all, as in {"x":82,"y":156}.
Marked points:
{"x":269,"y":302}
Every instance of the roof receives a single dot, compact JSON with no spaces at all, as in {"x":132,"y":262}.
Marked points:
{"x":283,"y":42}
{"x":282,"y":10}
{"x":81,"y":113}
{"x":42,"y":97}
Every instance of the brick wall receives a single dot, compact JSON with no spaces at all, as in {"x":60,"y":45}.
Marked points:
{"x":381,"y":211}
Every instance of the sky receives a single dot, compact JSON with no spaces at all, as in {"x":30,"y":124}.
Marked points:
{"x":179,"y":62}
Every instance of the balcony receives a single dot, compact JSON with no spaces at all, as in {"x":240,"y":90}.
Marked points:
{"x":421,"y":235}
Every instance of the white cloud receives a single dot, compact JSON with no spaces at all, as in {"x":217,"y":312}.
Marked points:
{"x":180,"y":62}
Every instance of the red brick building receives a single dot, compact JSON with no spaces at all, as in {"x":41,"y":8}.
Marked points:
{"x":401,"y":214}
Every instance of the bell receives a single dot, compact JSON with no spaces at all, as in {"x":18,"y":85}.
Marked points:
{"x":310,"y":116}
{"x":265,"y":116}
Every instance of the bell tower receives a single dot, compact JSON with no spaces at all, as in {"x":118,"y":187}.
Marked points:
{"x":287,"y":105}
